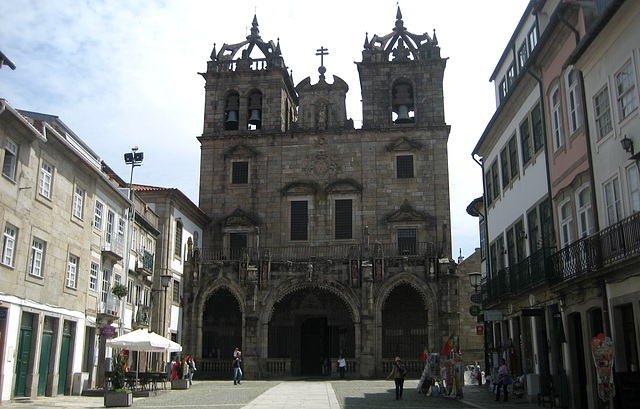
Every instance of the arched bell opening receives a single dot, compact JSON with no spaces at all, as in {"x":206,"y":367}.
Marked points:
{"x":231,"y":107}
{"x":254,"y":111}
{"x":309,"y":325}
{"x":403,"y":111}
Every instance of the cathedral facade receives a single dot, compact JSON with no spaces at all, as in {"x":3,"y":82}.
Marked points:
{"x":326,"y":240}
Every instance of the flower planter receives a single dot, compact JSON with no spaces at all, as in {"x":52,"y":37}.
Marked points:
{"x":180,"y":384}
{"x":118,"y":399}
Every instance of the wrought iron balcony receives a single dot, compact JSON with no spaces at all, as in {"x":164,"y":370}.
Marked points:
{"x":145,"y":262}
{"x":142,"y":315}
{"x":113,"y":248}
{"x":614,"y":244}
{"x":512,"y":280}
{"x":109,"y":307}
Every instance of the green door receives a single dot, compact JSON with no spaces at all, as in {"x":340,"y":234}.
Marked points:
{"x":43,"y":367}
{"x":64,"y":363}
{"x":22,"y":363}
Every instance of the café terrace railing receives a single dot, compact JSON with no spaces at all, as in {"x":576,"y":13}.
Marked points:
{"x":319,"y":252}
{"x":614,"y":244}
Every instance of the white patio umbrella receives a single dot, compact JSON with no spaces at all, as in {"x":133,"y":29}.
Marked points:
{"x":143,"y":340}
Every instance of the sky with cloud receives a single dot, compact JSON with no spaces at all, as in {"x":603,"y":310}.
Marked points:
{"x":125,"y":73}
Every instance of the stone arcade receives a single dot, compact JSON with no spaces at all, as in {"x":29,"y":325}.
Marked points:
{"x":325,"y":239}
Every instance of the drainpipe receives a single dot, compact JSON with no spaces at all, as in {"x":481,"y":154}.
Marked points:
{"x":487,"y":257}
{"x":484,"y":216}
{"x":544,"y":130}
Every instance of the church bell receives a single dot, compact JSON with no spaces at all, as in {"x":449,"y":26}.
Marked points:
{"x":254,"y":119}
{"x":403,"y":115}
{"x":232,"y":117}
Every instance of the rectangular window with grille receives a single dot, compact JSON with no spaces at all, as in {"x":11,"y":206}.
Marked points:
{"x":407,"y":241}
{"x":405,"y":166}
{"x":177,"y":249}
{"x":344,"y":221}
{"x":176,"y":292}
{"x":299,"y":220}
{"x":240,"y":173}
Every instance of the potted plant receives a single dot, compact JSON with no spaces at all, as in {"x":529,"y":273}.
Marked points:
{"x":118,"y":395}
{"x":182,"y":382}
{"x":119,"y":290}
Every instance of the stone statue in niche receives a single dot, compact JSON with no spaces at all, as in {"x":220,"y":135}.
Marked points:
{"x":321,"y":118}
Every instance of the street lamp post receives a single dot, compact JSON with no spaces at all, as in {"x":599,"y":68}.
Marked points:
{"x":133,"y":158}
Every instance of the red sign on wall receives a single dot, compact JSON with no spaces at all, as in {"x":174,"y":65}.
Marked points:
{"x":108,"y":331}
{"x":479,"y":329}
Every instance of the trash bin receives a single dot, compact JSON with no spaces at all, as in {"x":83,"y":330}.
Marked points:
{"x":80,"y":380}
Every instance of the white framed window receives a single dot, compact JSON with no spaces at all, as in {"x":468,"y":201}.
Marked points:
{"x":573,"y":101}
{"x":612,"y":200}
{"x":117,"y":278}
{"x":72,"y":271}
{"x":97,"y":215}
{"x":106,"y":284}
{"x":149,"y":247}
{"x":138,"y":294}
{"x":626,"y":90}
{"x":121,"y":228}
{"x":566,"y":223}
{"x":93,"y":276}
{"x":37,"y":257}
{"x":602,"y":109}
{"x":10,"y":163}
{"x":46,"y":177}
{"x":585,"y":212}
{"x":133,"y":239}
{"x":523,"y":54}
{"x":147,"y":296}
{"x":108,"y":234}
{"x":78,"y":202}
{"x":8,"y":245}
{"x":556,"y":119}
{"x":633,"y":181}
{"x":533,"y":37}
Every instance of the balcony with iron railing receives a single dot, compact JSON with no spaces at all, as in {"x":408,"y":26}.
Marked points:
{"x":144,"y":262}
{"x":109,"y":307}
{"x":113,"y":247}
{"x":615,"y":244}
{"x":320,"y":252}
{"x":142,"y":316}
{"x":518,"y":278}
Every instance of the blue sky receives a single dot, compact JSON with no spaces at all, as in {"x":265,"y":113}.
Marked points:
{"x":124,"y":73}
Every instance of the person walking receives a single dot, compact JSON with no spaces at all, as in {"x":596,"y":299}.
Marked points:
{"x":342,"y":366}
{"x":237,"y":367}
{"x":503,"y":380}
{"x":191,"y":369}
{"x":174,"y":368}
{"x":399,"y":372}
